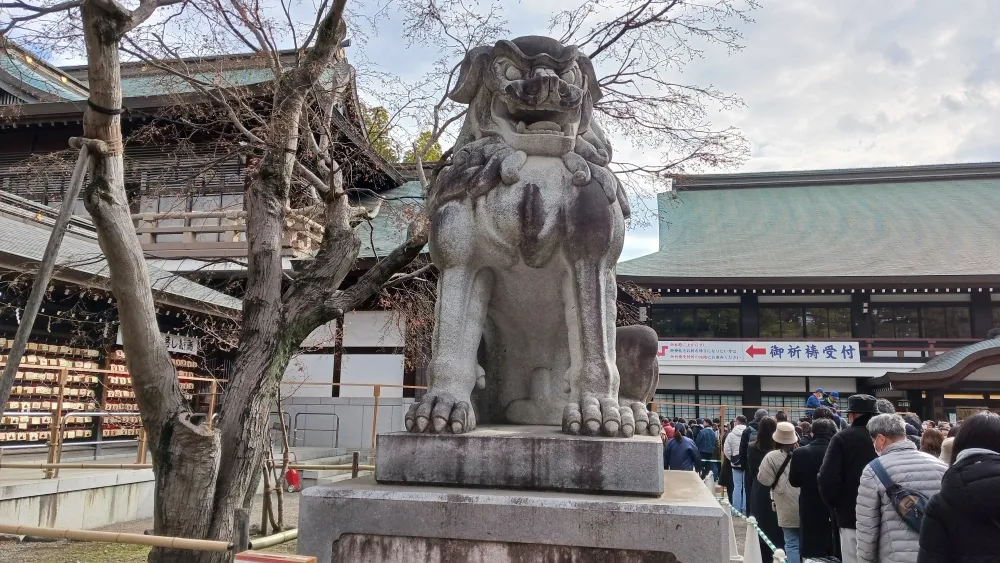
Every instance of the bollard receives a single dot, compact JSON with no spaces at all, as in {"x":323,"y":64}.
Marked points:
{"x":710,"y":483}
{"x":354,"y":466}
{"x":734,"y":550}
{"x":751,"y":545}
{"x":779,"y":556}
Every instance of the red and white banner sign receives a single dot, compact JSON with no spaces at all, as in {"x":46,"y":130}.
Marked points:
{"x":708,"y":351}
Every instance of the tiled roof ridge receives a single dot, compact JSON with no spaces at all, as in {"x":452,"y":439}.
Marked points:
{"x":801,"y":178}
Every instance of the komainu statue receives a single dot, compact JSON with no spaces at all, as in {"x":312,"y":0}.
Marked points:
{"x":527,"y":224}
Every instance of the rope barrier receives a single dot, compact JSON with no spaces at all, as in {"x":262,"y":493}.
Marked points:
{"x":779,"y":554}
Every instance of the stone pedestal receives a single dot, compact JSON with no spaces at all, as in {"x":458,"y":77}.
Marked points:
{"x":523,"y":457}
{"x":361,"y":521}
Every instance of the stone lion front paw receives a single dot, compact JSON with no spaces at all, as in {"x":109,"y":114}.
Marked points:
{"x":647,"y":422}
{"x":435,"y":412}
{"x":593,"y":416}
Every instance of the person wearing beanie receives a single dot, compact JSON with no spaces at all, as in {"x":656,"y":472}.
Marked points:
{"x":848,"y":454}
{"x":774,"y":473}
{"x":813,"y":401}
{"x":815,"y":525}
{"x":680,"y":452}
{"x":912,"y":434}
{"x":749,"y":436}
{"x":946,"y":447}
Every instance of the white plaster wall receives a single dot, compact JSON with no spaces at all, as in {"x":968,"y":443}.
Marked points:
{"x":372,"y":328}
{"x":361,"y":328}
{"x":783,"y":384}
{"x":323,"y":337}
{"x":371,"y":368}
{"x":839,"y":384}
{"x":308,"y":368}
{"x":720,"y":383}
{"x":679,"y":382}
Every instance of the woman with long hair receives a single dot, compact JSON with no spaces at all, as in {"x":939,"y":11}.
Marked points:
{"x":759,"y":502}
{"x":931,"y":442}
{"x":961,"y":524}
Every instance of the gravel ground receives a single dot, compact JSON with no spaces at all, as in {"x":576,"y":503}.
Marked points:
{"x":63,"y":551}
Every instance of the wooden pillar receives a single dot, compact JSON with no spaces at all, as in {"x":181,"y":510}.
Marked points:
{"x":212,"y":391}
{"x":55,"y":427}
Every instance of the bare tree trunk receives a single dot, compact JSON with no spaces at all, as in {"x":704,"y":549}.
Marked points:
{"x":185,"y":454}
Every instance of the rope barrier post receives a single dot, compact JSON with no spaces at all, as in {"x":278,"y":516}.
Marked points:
{"x":377,"y":391}
{"x":734,"y":550}
{"x":779,"y":556}
{"x":751,"y":545}
{"x":354,"y":465}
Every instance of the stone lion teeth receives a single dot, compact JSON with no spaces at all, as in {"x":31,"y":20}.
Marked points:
{"x":520,"y":127}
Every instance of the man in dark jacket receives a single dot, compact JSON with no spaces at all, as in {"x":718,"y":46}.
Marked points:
{"x":706,"y":440}
{"x":815,"y":525}
{"x":846,"y":457}
{"x":749,"y":435}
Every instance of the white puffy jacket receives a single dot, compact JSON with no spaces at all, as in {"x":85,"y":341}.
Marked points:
{"x":732,"y":446}
{"x":883,"y":537}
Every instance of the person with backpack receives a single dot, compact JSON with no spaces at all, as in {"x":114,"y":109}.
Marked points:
{"x":961,"y":523}
{"x":732,"y":450}
{"x":750,"y":435}
{"x":893,"y":494}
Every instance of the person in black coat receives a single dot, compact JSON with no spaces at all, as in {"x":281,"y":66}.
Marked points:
{"x":849,"y":452}
{"x":815,"y":525}
{"x":749,"y":435}
{"x":759,"y":496}
{"x":961,"y":523}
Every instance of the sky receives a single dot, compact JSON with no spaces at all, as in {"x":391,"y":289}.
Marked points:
{"x":852,"y":83}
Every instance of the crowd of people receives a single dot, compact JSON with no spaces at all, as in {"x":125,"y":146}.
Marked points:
{"x":871,"y":486}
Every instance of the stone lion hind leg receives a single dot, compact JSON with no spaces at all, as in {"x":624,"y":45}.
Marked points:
{"x":636,"y":347}
{"x":462,"y":298}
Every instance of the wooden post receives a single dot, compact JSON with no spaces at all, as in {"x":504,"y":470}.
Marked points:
{"x":378,"y":391}
{"x":354,"y":465}
{"x":212,"y":390}
{"x":55,"y":427}
{"x":140,"y":454}
{"x":241,"y":530}
{"x":45,"y":269}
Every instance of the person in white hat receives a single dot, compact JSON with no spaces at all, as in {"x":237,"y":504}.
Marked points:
{"x":774,"y":471}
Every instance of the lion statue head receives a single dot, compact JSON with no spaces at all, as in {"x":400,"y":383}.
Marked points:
{"x":530,"y":96}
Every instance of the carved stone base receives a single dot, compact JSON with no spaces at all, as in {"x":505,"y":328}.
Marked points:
{"x":523,"y":457}
{"x":360,"y":521}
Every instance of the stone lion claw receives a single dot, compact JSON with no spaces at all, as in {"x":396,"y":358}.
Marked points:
{"x":436,"y":412}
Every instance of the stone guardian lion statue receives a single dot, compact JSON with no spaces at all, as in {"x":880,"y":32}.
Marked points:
{"x":527,"y":224}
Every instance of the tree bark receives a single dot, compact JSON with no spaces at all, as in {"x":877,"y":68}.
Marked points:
{"x":185,"y":455}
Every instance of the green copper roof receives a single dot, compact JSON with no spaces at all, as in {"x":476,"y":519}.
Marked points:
{"x":400,"y":206}
{"x":943,"y":227}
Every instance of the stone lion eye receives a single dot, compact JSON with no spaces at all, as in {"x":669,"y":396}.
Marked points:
{"x":569,"y":76}
{"x":512,"y":73}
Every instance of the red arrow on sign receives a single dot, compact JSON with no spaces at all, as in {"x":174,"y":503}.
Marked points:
{"x":663,"y":351}
{"x":751,"y":351}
